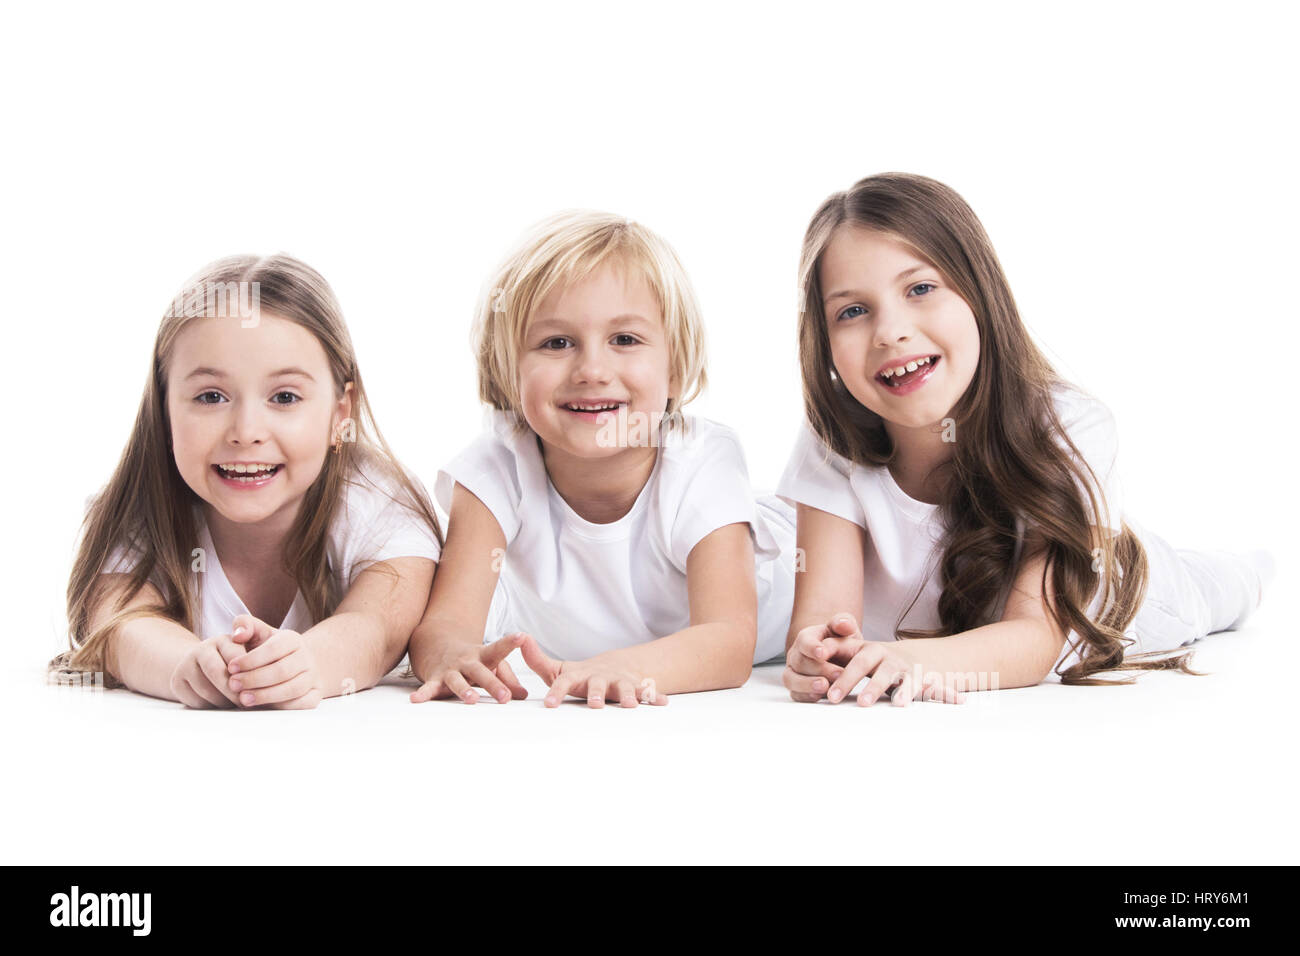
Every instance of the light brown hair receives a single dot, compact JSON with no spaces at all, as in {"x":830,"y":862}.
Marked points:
{"x":1007,"y":471}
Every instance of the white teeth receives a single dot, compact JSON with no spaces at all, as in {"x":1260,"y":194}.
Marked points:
{"x":912,"y":366}
{"x":252,"y":470}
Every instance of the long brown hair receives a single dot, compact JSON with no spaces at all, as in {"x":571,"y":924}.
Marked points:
{"x":147,"y":509}
{"x":1007,"y":471}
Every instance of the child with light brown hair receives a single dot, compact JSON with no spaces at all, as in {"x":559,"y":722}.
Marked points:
{"x":258,"y":544}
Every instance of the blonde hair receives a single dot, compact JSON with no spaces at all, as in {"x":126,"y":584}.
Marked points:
{"x":147,"y":509}
{"x":565,"y":248}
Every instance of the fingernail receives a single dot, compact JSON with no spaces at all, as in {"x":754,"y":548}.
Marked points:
{"x":835,"y":695}
{"x":551,"y":702}
{"x":503,"y":696}
{"x":233,"y":668}
{"x":239,"y":630}
{"x":235,"y":685}
{"x":246,"y":698}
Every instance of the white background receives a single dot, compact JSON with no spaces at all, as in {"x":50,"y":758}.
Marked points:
{"x":1135,"y":165}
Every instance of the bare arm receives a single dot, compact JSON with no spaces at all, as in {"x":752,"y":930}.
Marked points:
{"x":832,"y":583}
{"x":1019,"y":650}
{"x":366,"y":636}
{"x":717,"y":649}
{"x":143,"y":652}
{"x":457,"y":610}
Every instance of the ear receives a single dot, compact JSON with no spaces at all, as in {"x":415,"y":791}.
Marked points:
{"x":342,"y":410}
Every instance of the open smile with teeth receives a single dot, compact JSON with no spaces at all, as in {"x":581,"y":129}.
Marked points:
{"x":902,"y":374}
{"x":247,"y":472}
{"x":601,"y":407}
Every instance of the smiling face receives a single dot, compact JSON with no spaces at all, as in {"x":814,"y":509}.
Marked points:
{"x":903,"y":342}
{"x":594,"y":349}
{"x":252,"y":414}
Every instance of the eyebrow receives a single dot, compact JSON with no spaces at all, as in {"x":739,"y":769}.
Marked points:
{"x":612,"y":320}
{"x":205,"y":371}
{"x":848,"y":293}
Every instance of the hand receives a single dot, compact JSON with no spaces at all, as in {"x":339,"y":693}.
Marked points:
{"x":818,"y":655}
{"x":277,"y":669}
{"x":595,"y":679}
{"x":456,"y":671}
{"x":200,"y":678}
{"x":830,"y":660}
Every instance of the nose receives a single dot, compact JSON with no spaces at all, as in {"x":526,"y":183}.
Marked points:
{"x":247,"y":425}
{"x":891,"y":327}
{"x":591,"y":366}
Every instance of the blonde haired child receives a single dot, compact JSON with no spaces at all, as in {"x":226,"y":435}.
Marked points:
{"x":616,"y":541}
{"x":951,"y":486}
{"x":255,"y":545}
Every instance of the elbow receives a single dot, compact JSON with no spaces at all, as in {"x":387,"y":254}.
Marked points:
{"x":741,"y":659}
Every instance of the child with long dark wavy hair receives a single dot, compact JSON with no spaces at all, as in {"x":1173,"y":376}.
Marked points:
{"x":258,"y":545}
{"x":951,"y":486}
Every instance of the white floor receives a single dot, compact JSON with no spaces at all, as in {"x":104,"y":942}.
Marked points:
{"x":1174,"y":770}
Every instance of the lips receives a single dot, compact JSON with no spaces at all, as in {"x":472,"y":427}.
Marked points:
{"x":907,"y":375}
{"x":247,"y":474}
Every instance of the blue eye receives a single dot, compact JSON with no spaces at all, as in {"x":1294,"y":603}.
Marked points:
{"x":292,"y":398}
{"x":202,"y":396}
{"x":843,"y":316}
{"x":928,"y":287}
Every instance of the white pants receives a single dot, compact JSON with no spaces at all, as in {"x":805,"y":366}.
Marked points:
{"x":1189,"y":594}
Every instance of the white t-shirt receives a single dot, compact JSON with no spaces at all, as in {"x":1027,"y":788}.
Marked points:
{"x":367,"y":527}
{"x":581,"y":588}
{"x":902,"y":545}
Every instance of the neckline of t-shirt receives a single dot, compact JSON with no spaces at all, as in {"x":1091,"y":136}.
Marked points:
{"x":227,"y":597}
{"x":608,"y":530}
{"x":915,"y":508}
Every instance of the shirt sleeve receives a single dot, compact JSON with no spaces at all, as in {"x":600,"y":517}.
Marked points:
{"x":378,"y":524}
{"x":817,"y":477}
{"x":489,"y":470}
{"x":710,"y":485}
{"x":1091,"y":428}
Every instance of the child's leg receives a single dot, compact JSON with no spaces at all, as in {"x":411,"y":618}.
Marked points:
{"x":1194,"y":593}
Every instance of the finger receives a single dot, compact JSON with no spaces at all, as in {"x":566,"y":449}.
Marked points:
{"x":626,"y":693}
{"x":426,"y":691}
{"x":596,"y":692}
{"x":564,"y":683}
{"x":905,"y":692}
{"x":250,"y":631}
{"x":186,"y":695}
{"x":808,"y":642}
{"x":457,"y":684}
{"x":803,"y":686}
{"x":211,"y":696}
{"x":226,"y":647}
{"x":649,"y":694}
{"x":863,"y":663}
{"x":936,"y":690}
{"x":843,"y":625}
{"x":813,"y":667}
{"x":213,"y":667}
{"x":306,"y":702}
{"x":277,"y":672}
{"x":496,"y":652}
{"x":517,"y":690}
{"x":886,"y":675}
{"x":279,"y":644}
{"x":480,"y":676}
{"x":289,"y":690}
{"x":547,"y":668}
